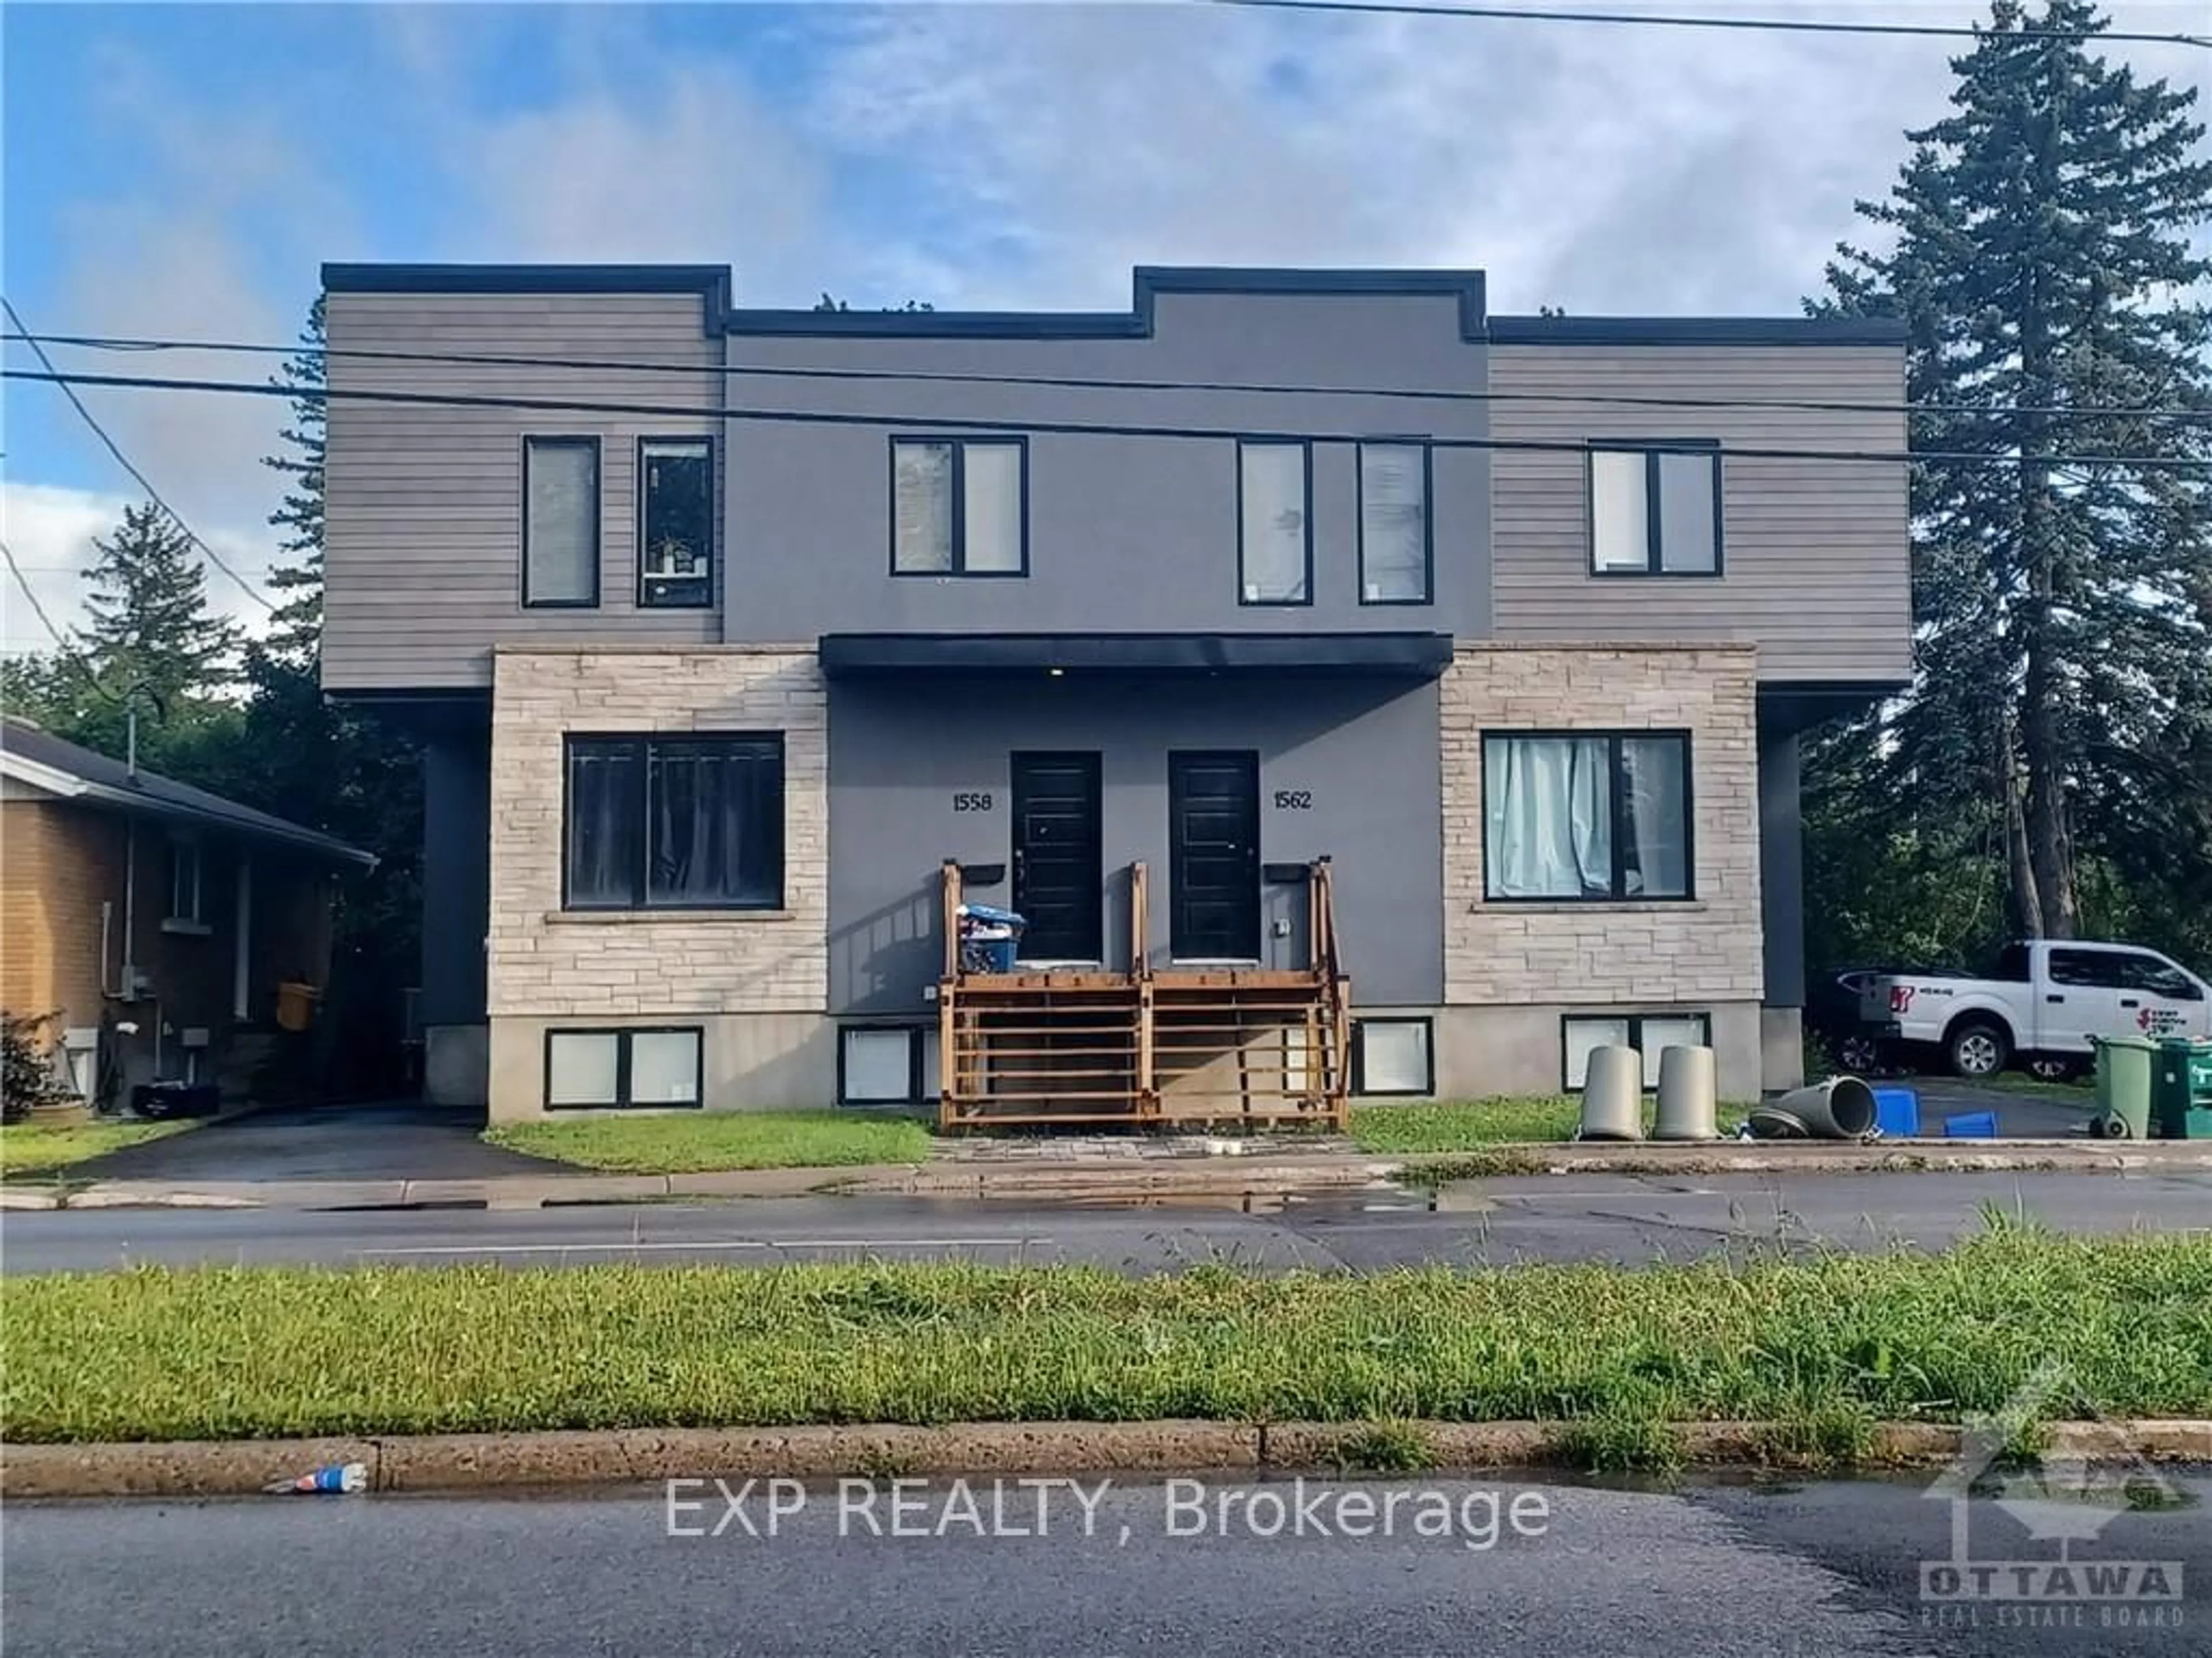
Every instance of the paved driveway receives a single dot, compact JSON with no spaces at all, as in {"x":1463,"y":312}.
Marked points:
{"x":2021,"y":1116}
{"x":392,"y":1140}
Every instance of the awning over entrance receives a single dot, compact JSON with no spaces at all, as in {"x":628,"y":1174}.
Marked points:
{"x":1375,"y":655}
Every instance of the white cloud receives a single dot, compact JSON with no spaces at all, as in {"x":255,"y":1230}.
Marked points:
{"x":49,"y":530}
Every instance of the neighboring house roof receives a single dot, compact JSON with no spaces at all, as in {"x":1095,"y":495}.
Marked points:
{"x":69,"y":771}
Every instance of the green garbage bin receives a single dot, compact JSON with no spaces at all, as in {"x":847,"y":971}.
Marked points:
{"x":2181,"y":1093}
{"x":2125,"y":1068}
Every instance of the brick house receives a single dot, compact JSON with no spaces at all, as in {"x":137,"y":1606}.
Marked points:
{"x":1416,"y":689}
{"x":127,"y":899}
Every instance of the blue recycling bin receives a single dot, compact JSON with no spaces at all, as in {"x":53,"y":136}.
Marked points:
{"x":1897,"y":1113}
{"x":990,"y":938}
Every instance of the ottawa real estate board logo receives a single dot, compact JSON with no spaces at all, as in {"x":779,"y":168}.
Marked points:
{"x":2061,"y":1575}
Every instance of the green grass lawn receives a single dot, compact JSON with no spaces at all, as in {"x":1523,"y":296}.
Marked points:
{"x":44,"y":1148}
{"x":161,"y":1353}
{"x":694,"y":1142}
{"x":1472,"y":1124}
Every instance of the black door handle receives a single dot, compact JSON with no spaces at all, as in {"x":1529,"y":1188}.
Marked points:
{"x":2129,"y":1001}
{"x":2054,"y":999}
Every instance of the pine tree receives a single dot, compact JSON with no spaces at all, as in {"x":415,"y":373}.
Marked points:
{"x":149,"y":625}
{"x":295,"y":633}
{"x":2041,"y":262}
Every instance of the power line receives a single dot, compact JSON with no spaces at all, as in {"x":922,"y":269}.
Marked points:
{"x":23,"y":332}
{"x":500,"y":360}
{"x":1775,"y":25}
{"x":37,"y":609}
{"x":813,"y":417}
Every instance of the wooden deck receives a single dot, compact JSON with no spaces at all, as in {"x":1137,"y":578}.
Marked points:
{"x":1196,"y":1047}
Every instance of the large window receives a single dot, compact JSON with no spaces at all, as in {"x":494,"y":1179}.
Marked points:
{"x":676,"y":522}
{"x":1274,"y":540}
{"x":1394,"y":541}
{"x":1655,"y":508}
{"x":561,"y":521}
{"x":597,"y":1069}
{"x":678,"y":822}
{"x":1650,"y":1033}
{"x":957,"y":507}
{"x":1579,"y":816}
{"x":1392,"y":1056}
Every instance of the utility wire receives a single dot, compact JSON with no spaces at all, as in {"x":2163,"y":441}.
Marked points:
{"x":37,"y":609}
{"x":814,"y":417}
{"x":601,"y":365}
{"x":122,"y":460}
{"x":1776,"y":25}
{"x":62,"y":646}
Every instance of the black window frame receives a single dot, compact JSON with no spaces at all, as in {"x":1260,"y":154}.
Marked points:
{"x":959,"y":445}
{"x":1360,"y":1087}
{"x":533,"y":440}
{"x":645,"y":440}
{"x":623,"y":1034}
{"x":1360,"y":509}
{"x":642,"y":902}
{"x":1616,"y":802}
{"x":918,"y":1088}
{"x":1654,"y":540}
{"x":1306,"y":447}
{"x":187,"y":852}
{"x":1635,"y":1023}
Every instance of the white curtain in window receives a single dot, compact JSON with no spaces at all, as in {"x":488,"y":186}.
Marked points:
{"x":1658,"y":817}
{"x":580,"y":1068}
{"x":1394,"y":1056}
{"x":992,"y":497}
{"x":564,"y":535}
{"x":923,"y":481}
{"x":1686,"y":540}
{"x":876,"y":1065}
{"x":1621,"y":535}
{"x":1394,"y":523}
{"x":1273,"y":503}
{"x":1548,"y":825}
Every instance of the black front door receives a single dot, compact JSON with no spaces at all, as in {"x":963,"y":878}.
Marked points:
{"x":1213,"y":849}
{"x":1058,"y":881}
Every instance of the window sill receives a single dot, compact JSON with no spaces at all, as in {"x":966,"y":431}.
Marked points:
{"x":649,"y":917}
{"x":1589,"y":906}
{"x":183,"y":928}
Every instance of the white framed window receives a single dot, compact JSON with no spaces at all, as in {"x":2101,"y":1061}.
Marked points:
{"x":185,"y":885}
{"x":1650,"y":1033}
{"x":1394,"y":536}
{"x":561,"y":521}
{"x":604,"y":1070}
{"x":881,"y":1064}
{"x":1392,"y":1056}
{"x":959,"y":507}
{"x":1275,"y":522}
{"x":1655,"y":508}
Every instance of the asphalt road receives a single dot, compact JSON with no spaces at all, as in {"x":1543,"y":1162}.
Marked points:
{"x":1637,"y":1220}
{"x":392,"y":1140}
{"x":1828,"y":1571}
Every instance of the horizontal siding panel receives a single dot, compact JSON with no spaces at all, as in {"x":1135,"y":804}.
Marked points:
{"x":1813,"y":552}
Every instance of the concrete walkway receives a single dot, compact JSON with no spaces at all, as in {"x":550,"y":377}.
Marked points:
{"x":1078,"y":1178}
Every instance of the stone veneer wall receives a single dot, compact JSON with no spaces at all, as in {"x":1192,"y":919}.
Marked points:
{"x":1654,"y":954}
{"x":625,"y":964}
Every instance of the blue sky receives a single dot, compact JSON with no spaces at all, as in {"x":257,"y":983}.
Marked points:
{"x":181,"y":171}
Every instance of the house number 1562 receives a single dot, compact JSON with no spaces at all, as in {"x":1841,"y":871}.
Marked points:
{"x":1293,"y":800}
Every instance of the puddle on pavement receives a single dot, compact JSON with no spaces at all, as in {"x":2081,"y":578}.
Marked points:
{"x":1388,"y":1200}
{"x":402,"y":1208}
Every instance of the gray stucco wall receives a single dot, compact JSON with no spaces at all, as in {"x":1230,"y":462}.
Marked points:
{"x":456,"y":877}
{"x":1365,"y":750}
{"x":1126,"y":533}
{"x":1781,"y":867}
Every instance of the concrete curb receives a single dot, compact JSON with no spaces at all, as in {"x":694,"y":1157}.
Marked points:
{"x":1124,"y":1178}
{"x":476,"y":1462}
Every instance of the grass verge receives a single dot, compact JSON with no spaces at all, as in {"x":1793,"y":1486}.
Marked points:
{"x":230,"y":1352}
{"x":28,"y":1148}
{"x":696,"y":1143}
{"x":1474,"y":1124}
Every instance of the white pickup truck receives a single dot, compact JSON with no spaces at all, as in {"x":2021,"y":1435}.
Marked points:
{"x":2042,"y":1004}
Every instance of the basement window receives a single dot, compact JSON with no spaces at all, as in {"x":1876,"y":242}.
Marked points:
{"x":603,"y":1070}
{"x":1392,"y":1056}
{"x":879,"y":1065}
{"x":1649,"y":1033}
